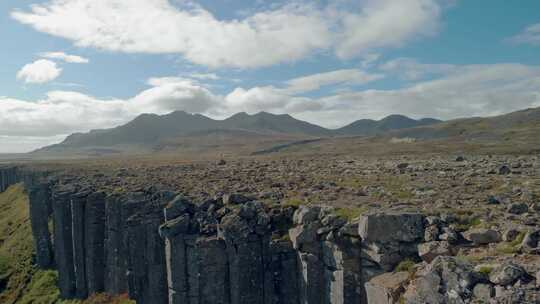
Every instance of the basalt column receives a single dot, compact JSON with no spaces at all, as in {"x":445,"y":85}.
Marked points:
{"x":246,"y":233}
{"x":146,"y":266}
{"x":329,"y":252}
{"x":63,"y":241}
{"x":39,"y":199}
{"x":115,"y":261}
{"x":94,"y":231}
{"x":197,"y":267}
{"x":78,"y":215}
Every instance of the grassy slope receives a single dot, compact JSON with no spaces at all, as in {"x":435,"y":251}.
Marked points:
{"x":20,"y":281}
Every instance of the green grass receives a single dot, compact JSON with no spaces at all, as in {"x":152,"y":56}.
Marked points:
{"x":24,"y":283}
{"x":485,"y":270}
{"x":349,"y":213}
{"x":511,"y":247}
{"x":405,"y":265}
{"x":293,"y":202}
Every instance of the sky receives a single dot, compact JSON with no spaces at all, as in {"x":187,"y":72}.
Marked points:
{"x":76,"y":65}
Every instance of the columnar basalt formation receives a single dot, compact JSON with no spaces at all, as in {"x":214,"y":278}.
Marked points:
{"x":9,"y":175}
{"x":162,"y":247}
{"x":39,"y":196}
{"x":330,"y":257}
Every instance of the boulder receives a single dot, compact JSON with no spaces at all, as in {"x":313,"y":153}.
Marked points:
{"x":510,"y":235}
{"x":483,"y":292}
{"x":429,"y":251}
{"x":391,"y":227}
{"x":387,"y":287}
{"x":506,"y":274}
{"x":504,"y":170}
{"x":446,"y":280}
{"x":517,"y":208}
{"x":235,"y":199}
{"x":482,"y":236}
{"x":531,"y":241}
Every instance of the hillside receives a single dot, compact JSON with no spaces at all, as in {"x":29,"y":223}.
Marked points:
{"x":519,"y":125}
{"x":369,"y":127}
{"x":197,"y":133}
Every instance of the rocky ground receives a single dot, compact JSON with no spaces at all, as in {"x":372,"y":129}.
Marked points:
{"x":411,"y":229}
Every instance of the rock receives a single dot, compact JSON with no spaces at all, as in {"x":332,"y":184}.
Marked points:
{"x":391,"y":226}
{"x":483,"y":292}
{"x":538,"y":279}
{"x":517,"y":208}
{"x":386,"y":288}
{"x":431,"y":233}
{"x":504,"y":170}
{"x":510,"y":234}
{"x":221,"y":162}
{"x":449,"y":235}
{"x":178,"y":206}
{"x":460,"y":159}
{"x":482,"y":236}
{"x":235,"y":199}
{"x":531,"y":241}
{"x":429,"y":251}
{"x":492,"y":200}
{"x":402,"y":166}
{"x":445,"y":280}
{"x":306,"y":215}
{"x":506,"y":274}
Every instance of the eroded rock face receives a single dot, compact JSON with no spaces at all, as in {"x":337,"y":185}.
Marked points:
{"x":445,"y":280}
{"x":386,"y":288}
{"x":329,"y":253}
{"x":39,"y":197}
{"x":387,"y":239}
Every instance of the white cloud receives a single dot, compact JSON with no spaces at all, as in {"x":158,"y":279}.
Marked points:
{"x":205,"y":76}
{"x":316,"y":81}
{"x":65,"y":57}
{"x":530,"y":35}
{"x":65,"y":112}
{"x":40,"y":71}
{"x":471,"y":90}
{"x":410,"y":69}
{"x":281,"y":34}
{"x":387,"y":23}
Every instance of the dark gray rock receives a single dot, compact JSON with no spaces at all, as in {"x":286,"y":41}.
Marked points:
{"x":94,"y":231}
{"x":517,"y":208}
{"x":482,"y":236}
{"x":506,"y":274}
{"x":39,"y":198}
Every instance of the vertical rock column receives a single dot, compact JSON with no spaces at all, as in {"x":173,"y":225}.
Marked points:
{"x":329,"y":252}
{"x":146,"y":266}
{"x":307,"y":242}
{"x":63,"y":244}
{"x":39,"y":199}
{"x":115,"y":264}
{"x":197,"y":267}
{"x":78,"y":215}
{"x":94,"y":231}
{"x":284,"y":266}
{"x":246,"y":233}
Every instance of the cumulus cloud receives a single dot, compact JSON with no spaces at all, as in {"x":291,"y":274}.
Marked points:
{"x":470,"y":90}
{"x":387,"y":23}
{"x":65,"y":112}
{"x":64,"y":57}
{"x":530,"y":35}
{"x":282,"y":34}
{"x":39,"y":71}
{"x":316,"y":81}
{"x":411,"y":69}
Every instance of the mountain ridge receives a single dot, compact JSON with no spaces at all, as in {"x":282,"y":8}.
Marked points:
{"x":152,"y":129}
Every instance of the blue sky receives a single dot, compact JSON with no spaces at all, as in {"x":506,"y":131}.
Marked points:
{"x":72,"y":66}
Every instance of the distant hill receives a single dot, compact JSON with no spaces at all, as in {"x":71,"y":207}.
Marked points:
{"x":369,"y":127}
{"x":519,"y":125}
{"x":151,"y":132}
{"x":181,"y":131}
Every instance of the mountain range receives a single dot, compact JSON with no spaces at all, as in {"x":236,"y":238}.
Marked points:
{"x":196,"y":132}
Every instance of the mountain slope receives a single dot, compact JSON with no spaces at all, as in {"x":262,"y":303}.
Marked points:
{"x":370,"y":127}
{"x":519,"y":125}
